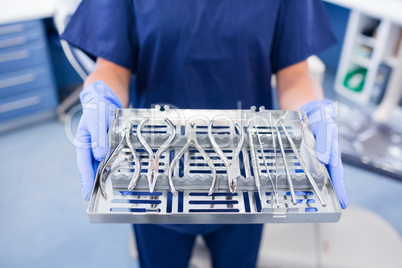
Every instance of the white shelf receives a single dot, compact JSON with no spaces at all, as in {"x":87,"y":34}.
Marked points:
{"x":365,"y":40}
{"x":364,"y":14}
{"x":361,"y":62}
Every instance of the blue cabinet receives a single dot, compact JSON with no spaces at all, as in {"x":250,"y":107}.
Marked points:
{"x":27,"y":85}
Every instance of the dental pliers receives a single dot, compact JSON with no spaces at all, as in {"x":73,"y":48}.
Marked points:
{"x":231,"y":169}
{"x":125,"y":139}
{"x":153,"y":165}
{"x":192,"y":140}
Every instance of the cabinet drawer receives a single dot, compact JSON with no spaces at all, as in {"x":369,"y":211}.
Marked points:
{"x":20,"y":40}
{"x":27,"y":103}
{"x":11,"y":44}
{"x":22,"y":58}
{"x":12,"y":83}
{"x":26,"y":28}
{"x":19,"y":27}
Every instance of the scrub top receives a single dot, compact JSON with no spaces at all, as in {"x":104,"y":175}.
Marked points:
{"x":201,"y":53}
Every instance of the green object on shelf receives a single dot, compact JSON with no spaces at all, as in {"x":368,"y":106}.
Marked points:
{"x":354,"y":80}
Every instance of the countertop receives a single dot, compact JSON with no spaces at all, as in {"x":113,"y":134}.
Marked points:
{"x":22,"y":10}
{"x":386,"y":9}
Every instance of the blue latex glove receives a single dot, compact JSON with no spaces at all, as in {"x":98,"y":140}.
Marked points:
{"x":321,"y":115}
{"x":91,"y":141}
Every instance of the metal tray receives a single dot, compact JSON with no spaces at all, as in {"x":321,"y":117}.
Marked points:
{"x":271,"y":202}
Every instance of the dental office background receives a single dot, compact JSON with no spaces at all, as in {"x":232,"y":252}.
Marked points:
{"x":43,"y":221}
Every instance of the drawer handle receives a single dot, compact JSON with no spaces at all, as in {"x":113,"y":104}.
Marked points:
{"x":23,"y":79}
{"x":12,"y":29}
{"x":14,"y":56}
{"x":13,"y":42}
{"x":15,"y":105}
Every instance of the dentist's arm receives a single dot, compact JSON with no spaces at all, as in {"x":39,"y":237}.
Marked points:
{"x":115,"y":76}
{"x":296,"y":87}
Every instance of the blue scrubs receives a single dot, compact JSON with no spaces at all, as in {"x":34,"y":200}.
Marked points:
{"x":201,"y":54}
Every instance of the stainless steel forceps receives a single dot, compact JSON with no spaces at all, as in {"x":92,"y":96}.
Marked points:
{"x":192,"y":140}
{"x":153,"y":165}
{"x":108,"y":162}
{"x":231,"y":167}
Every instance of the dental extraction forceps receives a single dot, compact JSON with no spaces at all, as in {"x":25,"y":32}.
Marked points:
{"x":153,"y":165}
{"x":303,"y":165}
{"x":192,"y":140}
{"x":108,"y":162}
{"x":274,"y":187}
{"x":231,"y":169}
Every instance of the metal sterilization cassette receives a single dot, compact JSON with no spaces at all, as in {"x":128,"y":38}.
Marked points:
{"x":211,"y":166}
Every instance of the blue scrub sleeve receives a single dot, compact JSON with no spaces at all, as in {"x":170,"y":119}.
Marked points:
{"x":302,"y":29}
{"x":106,"y":29}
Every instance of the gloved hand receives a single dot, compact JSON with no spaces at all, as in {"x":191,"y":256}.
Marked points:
{"x":91,"y":141}
{"x":321,"y":114}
